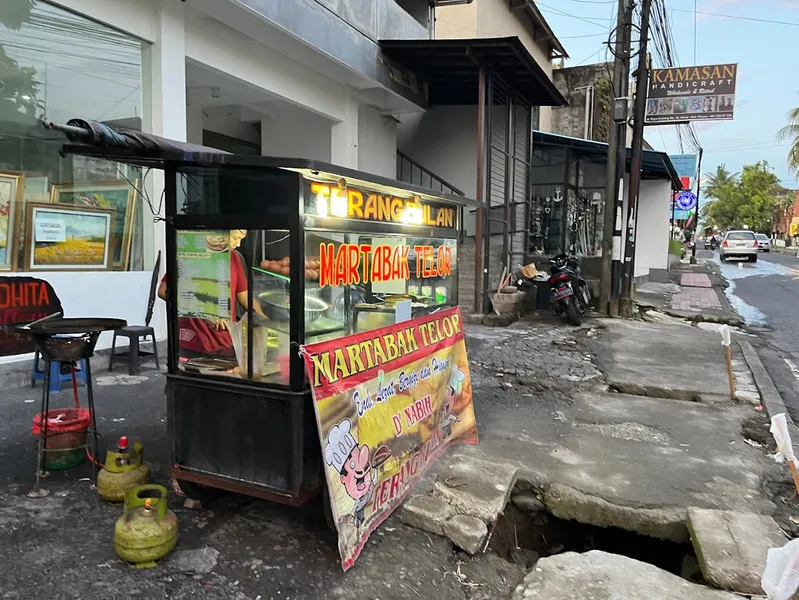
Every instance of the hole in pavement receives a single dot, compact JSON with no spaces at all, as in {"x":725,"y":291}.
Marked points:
{"x":654,"y":392}
{"x":523,"y":537}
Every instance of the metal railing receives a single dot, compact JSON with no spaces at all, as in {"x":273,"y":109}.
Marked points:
{"x":410,"y":171}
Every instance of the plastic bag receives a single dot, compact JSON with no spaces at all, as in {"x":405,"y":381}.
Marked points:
{"x":238,"y":333}
{"x":779,"y":429}
{"x":781,"y":577}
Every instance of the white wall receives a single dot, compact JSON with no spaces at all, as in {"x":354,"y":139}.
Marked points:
{"x":377,"y":142}
{"x":444,"y":140}
{"x":116,"y":294}
{"x":652,"y":239}
{"x":306,"y":136}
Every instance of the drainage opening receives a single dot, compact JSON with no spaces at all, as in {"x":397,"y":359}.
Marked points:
{"x":524,"y":537}
{"x":649,"y":391}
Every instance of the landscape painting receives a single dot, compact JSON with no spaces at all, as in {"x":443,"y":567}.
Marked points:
{"x":117,"y":195}
{"x":68,"y":238}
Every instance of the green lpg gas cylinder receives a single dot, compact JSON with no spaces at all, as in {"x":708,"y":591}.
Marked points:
{"x":147,"y":531}
{"x":124,"y":469}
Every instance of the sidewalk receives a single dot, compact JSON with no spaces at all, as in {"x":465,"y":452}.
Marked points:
{"x":694,"y":292}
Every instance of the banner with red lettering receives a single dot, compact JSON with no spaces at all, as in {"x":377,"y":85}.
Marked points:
{"x":23,"y":300}
{"x":388,"y":402}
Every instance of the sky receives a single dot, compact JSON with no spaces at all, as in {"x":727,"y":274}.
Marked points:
{"x":768,"y":70}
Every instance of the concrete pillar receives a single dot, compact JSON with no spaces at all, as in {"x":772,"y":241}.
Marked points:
{"x":164,"y":94}
{"x":344,"y":136}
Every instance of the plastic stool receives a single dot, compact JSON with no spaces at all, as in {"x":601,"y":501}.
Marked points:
{"x":56,"y":376}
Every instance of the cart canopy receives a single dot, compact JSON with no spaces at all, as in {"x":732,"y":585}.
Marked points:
{"x":94,"y":139}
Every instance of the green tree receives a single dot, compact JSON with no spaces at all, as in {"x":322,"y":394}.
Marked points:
{"x":714,"y":181}
{"x":791,"y":133}
{"x":748,"y":201}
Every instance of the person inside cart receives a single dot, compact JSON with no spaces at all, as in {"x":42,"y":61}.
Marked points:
{"x":211,"y":337}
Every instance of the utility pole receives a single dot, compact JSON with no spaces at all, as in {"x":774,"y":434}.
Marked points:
{"x":696,"y":213}
{"x":617,"y":163}
{"x":639,"y":114}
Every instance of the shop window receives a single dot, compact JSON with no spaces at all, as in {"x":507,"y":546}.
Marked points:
{"x":66,"y":213}
{"x":359,"y":282}
{"x":220,"y":334}
{"x":239,"y":191}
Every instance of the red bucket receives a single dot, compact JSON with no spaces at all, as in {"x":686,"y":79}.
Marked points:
{"x":65,"y":444}
{"x":63,"y":420}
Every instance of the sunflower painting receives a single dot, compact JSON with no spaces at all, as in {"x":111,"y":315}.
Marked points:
{"x":68,"y":238}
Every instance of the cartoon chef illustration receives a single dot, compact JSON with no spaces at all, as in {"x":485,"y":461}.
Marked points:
{"x":356,"y":464}
{"x":454,"y":390}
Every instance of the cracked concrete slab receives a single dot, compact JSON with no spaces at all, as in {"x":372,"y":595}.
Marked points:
{"x":732,"y":547}
{"x":475,"y":488}
{"x":598,"y":575}
{"x":654,"y":360}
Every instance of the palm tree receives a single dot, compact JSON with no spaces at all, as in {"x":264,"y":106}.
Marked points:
{"x":791,"y":132}
{"x":713,"y":181}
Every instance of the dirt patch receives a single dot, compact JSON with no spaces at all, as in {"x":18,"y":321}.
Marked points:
{"x":627,"y":430}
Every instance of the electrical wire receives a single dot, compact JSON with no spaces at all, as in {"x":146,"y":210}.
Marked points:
{"x":738,"y":17}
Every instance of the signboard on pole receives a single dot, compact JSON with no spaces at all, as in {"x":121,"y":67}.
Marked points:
{"x":683,"y":94}
{"x":685,"y":165}
{"x":388,"y":402}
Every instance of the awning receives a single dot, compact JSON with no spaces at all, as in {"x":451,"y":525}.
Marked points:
{"x":450,"y":68}
{"x":654,"y":164}
{"x":90,"y":138}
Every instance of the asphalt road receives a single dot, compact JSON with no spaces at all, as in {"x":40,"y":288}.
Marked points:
{"x":766,"y":295}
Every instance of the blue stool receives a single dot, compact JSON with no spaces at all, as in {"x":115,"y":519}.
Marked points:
{"x":56,"y":376}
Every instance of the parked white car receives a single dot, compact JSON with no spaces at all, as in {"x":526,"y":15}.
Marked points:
{"x":739,"y":244}
{"x":763,"y":242}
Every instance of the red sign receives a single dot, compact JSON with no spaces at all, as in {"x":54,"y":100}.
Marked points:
{"x":23,"y":300}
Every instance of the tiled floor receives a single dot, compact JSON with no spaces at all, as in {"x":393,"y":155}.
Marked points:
{"x":696,"y":280}
{"x":695,"y":299}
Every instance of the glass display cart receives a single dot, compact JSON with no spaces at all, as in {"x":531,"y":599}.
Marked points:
{"x":264,"y":255}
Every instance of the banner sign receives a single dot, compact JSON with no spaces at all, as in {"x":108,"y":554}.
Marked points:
{"x":388,"y":402}
{"x":685,"y":165}
{"x":23,"y":300}
{"x":682,"y":94}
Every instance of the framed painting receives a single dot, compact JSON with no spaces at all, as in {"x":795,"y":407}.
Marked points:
{"x":68,"y":238}
{"x":11,"y":190}
{"x":117,"y":195}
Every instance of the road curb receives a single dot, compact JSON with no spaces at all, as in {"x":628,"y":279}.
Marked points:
{"x":772,"y":400}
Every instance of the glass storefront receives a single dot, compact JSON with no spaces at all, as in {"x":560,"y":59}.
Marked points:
{"x":568,"y":198}
{"x":66,"y":213}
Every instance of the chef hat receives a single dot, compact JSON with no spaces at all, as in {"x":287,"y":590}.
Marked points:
{"x":340,"y":443}
{"x":457,"y":379}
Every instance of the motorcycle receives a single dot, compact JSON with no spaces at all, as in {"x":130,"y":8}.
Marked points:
{"x":570,"y":295}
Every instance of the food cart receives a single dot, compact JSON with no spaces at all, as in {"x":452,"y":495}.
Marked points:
{"x":314,"y":252}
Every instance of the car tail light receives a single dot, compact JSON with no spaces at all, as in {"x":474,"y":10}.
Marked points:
{"x":725,"y":243}
{"x":755,"y":243}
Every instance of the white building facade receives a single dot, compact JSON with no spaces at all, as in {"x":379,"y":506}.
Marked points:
{"x":294,"y":79}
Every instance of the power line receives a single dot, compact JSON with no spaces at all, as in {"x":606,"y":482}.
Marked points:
{"x":557,"y":11}
{"x":738,"y":17}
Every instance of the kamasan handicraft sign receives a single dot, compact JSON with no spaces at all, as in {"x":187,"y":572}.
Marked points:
{"x":388,"y":402}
